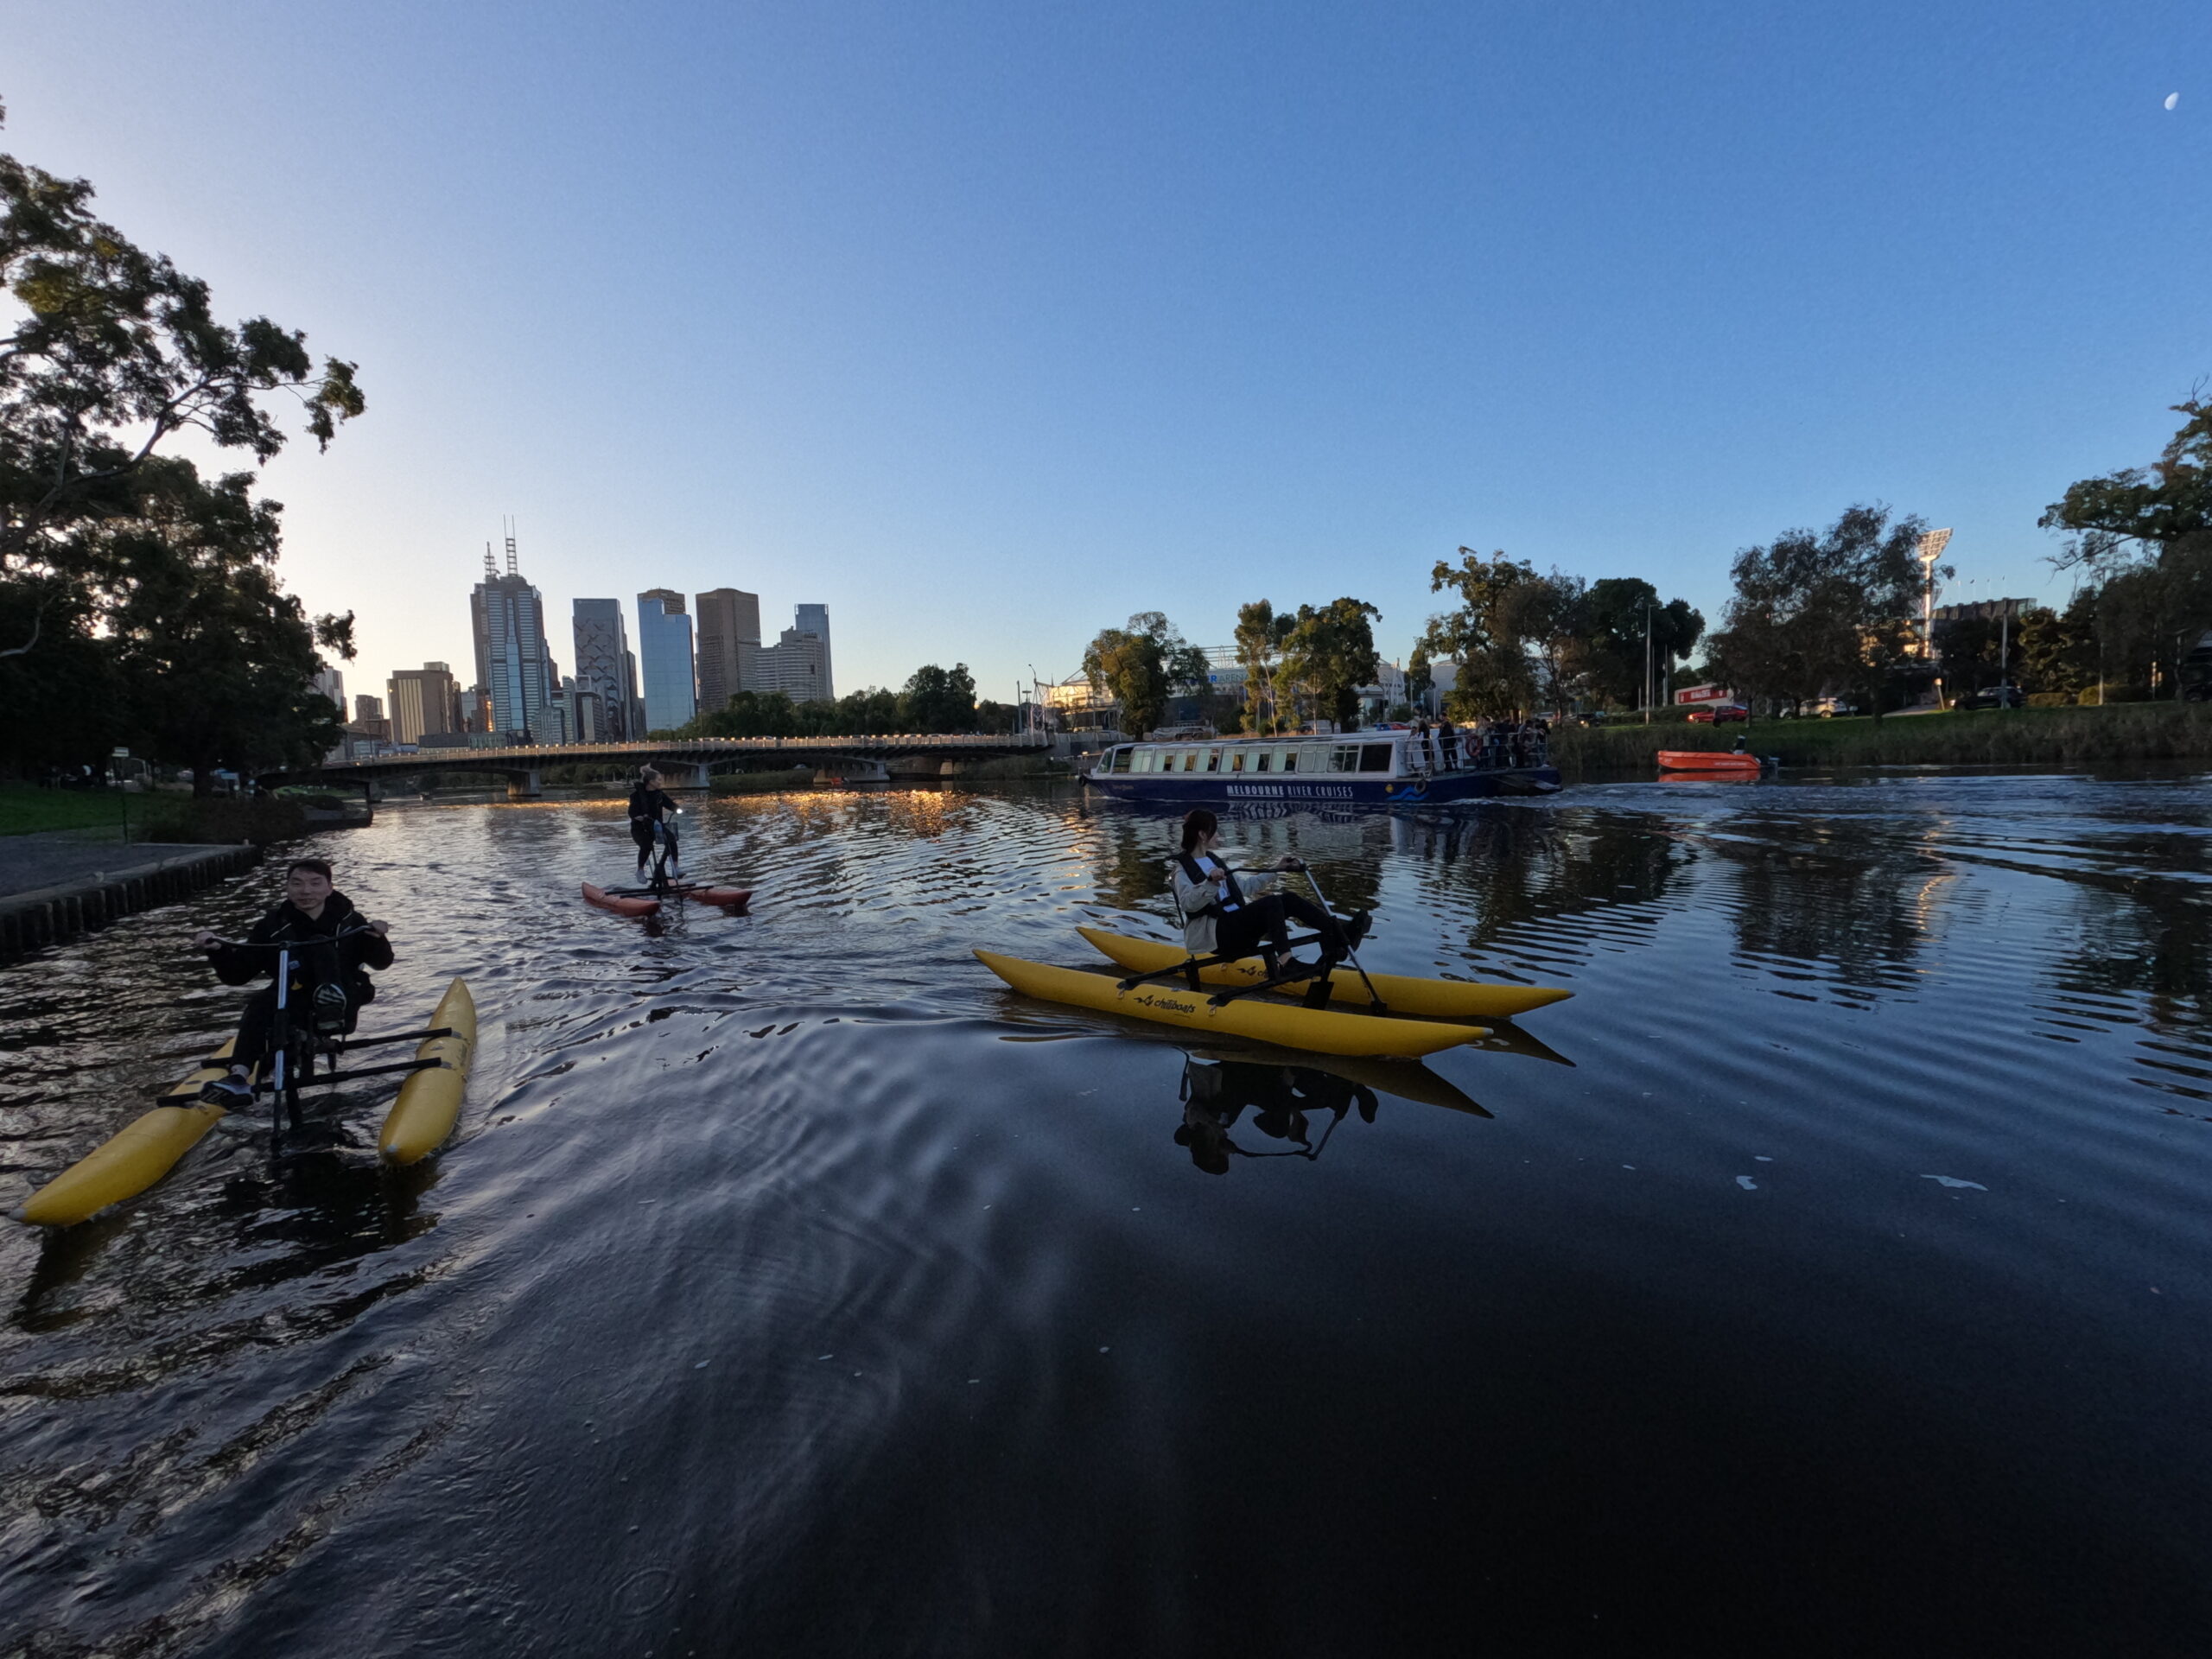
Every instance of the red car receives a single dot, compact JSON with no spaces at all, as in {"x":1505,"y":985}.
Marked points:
{"x":1720,"y":714}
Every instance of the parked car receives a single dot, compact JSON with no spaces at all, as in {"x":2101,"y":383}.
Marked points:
{"x":1719,"y":714}
{"x":1994,"y":697}
{"x":1828,"y":707}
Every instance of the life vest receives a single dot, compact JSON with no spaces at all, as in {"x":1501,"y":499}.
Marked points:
{"x":1190,"y":863}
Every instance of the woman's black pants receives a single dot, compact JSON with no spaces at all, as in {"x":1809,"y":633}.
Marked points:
{"x":1264,"y":924}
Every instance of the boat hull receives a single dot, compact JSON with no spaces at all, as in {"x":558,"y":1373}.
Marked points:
{"x":1327,"y":789}
{"x":1322,"y":1031}
{"x":429,"y":1101}
{"x":134,"y":1157}
{"x":1434,"y":999}
{"x":1708,"y":760}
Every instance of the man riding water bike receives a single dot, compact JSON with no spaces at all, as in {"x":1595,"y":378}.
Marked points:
{"x":329,"y":976}
{"x":1221,"y":918}
{"x":652,"y":817}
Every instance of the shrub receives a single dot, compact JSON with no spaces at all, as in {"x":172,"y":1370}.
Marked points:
{"x":225,"y":818}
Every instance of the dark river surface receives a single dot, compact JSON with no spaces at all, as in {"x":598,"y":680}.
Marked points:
{"x":1828,"y":1275}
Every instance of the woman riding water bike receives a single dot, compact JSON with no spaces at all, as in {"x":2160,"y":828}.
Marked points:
{"x":1219,"y":918}
{"x":653,"y":818}
{"x":334,"y":946}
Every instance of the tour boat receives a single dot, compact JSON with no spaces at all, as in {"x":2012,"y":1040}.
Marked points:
{"x":1390,"y":768}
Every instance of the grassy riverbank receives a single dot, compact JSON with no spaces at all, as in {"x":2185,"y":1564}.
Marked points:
{"x":2127,"y":731}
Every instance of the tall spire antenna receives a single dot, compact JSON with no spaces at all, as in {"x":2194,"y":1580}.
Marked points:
{"x":510,"y":524}
{"x":491,"y":570}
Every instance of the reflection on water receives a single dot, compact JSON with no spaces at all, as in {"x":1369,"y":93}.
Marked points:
{"x":1830,"y":1264}
{"x":1283,"y":1100}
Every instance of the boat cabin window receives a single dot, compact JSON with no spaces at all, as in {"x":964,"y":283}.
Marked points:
{"x":1147,"y":758}
{"x":1213,"y":760}
{"x":1374,"y":757}
{"x":1189,"y":761}
{"x":1237,"y":759}
{"x":1121,"y":760}
{"x":1344,"y":757}
{"x":1289,"y":759}
{"x":1260,"y":764}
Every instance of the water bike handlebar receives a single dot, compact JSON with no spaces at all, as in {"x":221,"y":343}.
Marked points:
{"x":216,"y":941}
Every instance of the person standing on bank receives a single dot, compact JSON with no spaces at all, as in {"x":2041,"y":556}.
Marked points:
{"x":1220,"y":918}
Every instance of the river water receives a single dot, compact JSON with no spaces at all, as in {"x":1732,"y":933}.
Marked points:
{"x":1828,"y":1275}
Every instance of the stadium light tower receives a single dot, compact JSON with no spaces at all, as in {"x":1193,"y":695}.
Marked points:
{"x":1931,"y":549}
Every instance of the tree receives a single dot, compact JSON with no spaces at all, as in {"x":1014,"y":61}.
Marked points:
{"x":139,"y":603}
{"x":1834,"y":612}
{"x":1608,"y":639}
{"x":1420,"y":677}
{"x":115,"y":355}
{"x":1141,"y":666}
{"x":2155,"y":507}
{"x":940,"y":700}
{"x":214,"y":660}
{"x":1329,"y":650}
{"x":1260,"y":639}
{"x":2145,"y":536}
{"x":1500,"y":603}
{"x":2057,"y":650}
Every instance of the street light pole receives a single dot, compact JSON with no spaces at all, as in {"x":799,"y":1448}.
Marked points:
{"x":1647,"y":661}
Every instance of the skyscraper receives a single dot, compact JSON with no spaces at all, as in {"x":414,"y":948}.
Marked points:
{"x":798,"y":663}
{"x":512,"y":659}
{"x":424,"y":699}
{"x":332,"y":684}
{"x":665,"y":647}
{"x":729,"y":636}
{"x":605,"y":668}
{"x":815,"y":619}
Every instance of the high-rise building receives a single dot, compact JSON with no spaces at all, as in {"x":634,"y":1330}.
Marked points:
{"x":815,"y":619}
{"x":513,"y":661}
{"x":425,"y":701}
{"x":332,"y":684}
{"x":605,"y":667}
{"x":368,"y":708}
{"x":665,"y":649}
{"x":798,"y":666}
{"x":729,"y":638}
{"x":798,"y":663}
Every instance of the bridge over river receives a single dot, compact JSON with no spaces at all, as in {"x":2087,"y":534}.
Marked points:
{"x":685,"y":763}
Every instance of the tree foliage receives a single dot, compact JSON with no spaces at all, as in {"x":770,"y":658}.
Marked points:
{"x":1605,"y":641}
{"x":122,"y":572}
{"x":1814,"y":615}
{"x":2143,"y":539}
{"x":1502,"y":605}
{"x":1261,"y":638}
{"x":935,"y":700}
{"x":1329,"y":651}
{"x":1141,"y":666}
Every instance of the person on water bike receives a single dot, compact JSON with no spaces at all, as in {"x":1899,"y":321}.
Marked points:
{"x":652,"y":817}
{"x":1221,"y":918}
{"x":329,"y":976}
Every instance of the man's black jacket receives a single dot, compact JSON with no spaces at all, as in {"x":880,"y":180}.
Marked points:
{"x":289,"y":922}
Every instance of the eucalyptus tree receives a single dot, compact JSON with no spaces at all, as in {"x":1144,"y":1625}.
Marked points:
{"x":1815,"y":613}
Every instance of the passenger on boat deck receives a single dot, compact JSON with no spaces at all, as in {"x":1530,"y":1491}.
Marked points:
{"x":329,"y":980}
{"x":1219,"y":918}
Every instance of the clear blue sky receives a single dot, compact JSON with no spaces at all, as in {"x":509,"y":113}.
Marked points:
{"x":989,"y":324}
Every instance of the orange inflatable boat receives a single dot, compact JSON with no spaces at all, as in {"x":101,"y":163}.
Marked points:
{"x":1705,"y":760}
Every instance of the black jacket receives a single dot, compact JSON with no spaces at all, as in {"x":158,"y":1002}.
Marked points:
{"x":363,"y":951}
{"x":650,"y":805}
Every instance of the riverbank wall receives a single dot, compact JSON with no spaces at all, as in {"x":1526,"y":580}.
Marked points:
{"x":87,"y":885}
{"x":2025,"y":737}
